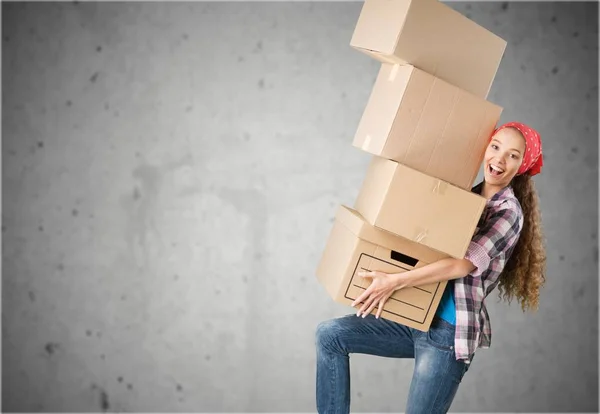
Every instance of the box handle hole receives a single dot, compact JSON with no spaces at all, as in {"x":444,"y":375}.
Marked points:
{"x":399,"y":257}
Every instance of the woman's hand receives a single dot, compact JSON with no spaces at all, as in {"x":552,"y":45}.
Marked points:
{"x":383,"y":285}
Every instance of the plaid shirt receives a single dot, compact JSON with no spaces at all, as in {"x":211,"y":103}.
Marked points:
{"x":497,"y":233}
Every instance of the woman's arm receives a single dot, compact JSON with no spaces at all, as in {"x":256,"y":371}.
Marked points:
{"x":439,"y":271}
{"x":500,"y":231}
{"x":383,"y":285}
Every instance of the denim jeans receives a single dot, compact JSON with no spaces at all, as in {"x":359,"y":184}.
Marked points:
{"x":436,"y":376}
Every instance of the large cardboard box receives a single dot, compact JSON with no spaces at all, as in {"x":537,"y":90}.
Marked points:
{"x":355,"y":245}
{"x":427,"y":124}
{"x":433,"y":37}
{"x":418,"y":207}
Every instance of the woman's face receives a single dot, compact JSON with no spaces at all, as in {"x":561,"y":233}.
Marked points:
{"x":503,"y":157}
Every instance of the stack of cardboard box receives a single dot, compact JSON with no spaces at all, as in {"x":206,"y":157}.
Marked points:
{"x":427,"y":124}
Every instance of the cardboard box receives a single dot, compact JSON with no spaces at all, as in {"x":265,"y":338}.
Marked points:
{"x":418,"y":207}
{"x":427,"y":124}
{"x":433,"y":37}
{"x":355,"y":245}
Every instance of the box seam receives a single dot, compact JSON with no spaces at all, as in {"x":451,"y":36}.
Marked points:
{"x":412,"y":138}
{"x":454,"y":104}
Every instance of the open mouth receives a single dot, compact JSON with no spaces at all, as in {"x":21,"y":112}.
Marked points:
{"x":495,"y":171}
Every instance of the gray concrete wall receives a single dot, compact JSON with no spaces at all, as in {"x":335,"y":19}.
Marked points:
{"x":170,"y":175}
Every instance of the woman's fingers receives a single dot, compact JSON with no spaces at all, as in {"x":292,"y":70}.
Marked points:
{"x":362,"y":297}
{"x":371,"y":307}
{"x":373,"y":295}
{"x":367,"y":273}
{"x":381,"y":305}
{"x":369,"y":304}
{"x":365,"y":302}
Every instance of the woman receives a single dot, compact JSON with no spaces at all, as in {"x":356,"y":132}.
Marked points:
{"x":506,"y":252}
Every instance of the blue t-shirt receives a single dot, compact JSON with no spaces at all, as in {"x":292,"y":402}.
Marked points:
{"x":446,"y":309}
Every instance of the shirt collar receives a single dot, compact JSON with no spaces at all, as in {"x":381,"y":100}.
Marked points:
{"x":502,"y":195}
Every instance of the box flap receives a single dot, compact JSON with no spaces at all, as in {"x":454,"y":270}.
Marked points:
{"x":358,"y":226}
{"x":430,"y":211}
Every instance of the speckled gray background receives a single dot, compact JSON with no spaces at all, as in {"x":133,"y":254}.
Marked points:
{"x":170,"y":174}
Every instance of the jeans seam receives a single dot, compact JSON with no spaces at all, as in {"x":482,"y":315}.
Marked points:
{"x":332,"y":385}
{"x":435,"y":399}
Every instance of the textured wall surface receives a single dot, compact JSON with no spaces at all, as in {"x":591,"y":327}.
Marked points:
{"x":170,"y":173}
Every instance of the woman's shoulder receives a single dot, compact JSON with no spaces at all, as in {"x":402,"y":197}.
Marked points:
{"x":509,"y":198}
{"x":509,"y":206}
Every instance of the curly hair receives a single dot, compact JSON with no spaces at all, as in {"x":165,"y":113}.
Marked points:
{"x":524,"y":273}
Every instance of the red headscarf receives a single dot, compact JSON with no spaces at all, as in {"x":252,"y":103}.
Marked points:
{"x":533,"y":158}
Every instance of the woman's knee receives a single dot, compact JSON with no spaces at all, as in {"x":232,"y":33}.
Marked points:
{"x":327,"y":333}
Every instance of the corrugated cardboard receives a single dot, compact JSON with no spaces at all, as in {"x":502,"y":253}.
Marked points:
{"x":431,"y":36}
{"x":427,"y":124}
{"x":355,"y":245}
{"x":413,"y":205}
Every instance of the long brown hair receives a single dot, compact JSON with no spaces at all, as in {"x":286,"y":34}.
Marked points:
{"x":524,"y":274}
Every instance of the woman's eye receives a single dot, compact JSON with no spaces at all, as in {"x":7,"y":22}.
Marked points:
{"x":494,"y":146}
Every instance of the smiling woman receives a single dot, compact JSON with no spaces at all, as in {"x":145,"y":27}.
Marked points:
{"x":503,"y":158}
{"x":506,"y":252}
{"x":508,"y":156}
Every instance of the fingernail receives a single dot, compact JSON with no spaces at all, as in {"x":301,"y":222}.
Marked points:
{"x":364,"y":314}
{"x":358,"y":313}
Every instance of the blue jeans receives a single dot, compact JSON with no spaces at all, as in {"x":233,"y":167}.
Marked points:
{"x":437,"y":373}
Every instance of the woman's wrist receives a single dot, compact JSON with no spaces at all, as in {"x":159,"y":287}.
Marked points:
{"x":400,"y":280}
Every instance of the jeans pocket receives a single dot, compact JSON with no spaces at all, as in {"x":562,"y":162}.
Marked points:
{"x":441,"y":337}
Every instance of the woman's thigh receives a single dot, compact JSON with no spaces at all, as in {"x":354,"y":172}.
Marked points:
{"x":437,"y":373}
{"x":353,"y":334}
